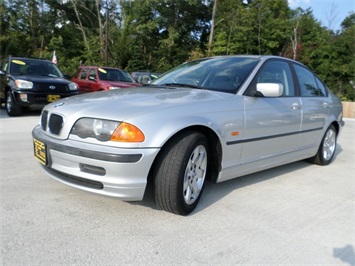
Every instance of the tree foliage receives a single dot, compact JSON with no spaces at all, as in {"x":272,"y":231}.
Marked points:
{"x":160,"y":34}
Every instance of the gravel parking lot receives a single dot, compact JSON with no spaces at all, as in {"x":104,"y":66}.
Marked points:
{"x":294,"y":214}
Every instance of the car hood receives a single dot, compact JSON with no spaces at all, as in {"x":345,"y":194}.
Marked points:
{"x":42,"y":79}
{"x":124,"y":104}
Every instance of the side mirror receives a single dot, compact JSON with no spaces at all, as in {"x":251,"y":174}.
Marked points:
{"x":269,"y":89}
{"x":66,"y":76}
{"x":2,"y":73}
{"x":144,"y":79}
{"x":92,"y":78}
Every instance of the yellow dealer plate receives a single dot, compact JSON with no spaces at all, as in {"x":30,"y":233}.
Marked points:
{"x":53,"y":98}
{"x":40,"y":151}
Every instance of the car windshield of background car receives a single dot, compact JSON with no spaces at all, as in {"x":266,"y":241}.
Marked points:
{"x":218,"y":74}
{"x":34,"y":68}
{"x":113,"y":75}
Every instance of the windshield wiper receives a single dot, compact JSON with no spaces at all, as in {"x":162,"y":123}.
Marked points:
{"x":183,"y":85}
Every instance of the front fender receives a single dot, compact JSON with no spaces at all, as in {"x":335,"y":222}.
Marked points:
{"x":166,"y":130}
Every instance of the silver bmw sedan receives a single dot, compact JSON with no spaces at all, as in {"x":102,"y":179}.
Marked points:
{"x":211,"y":119}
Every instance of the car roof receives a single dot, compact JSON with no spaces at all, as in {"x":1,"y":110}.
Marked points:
{"x":260,"y":57}
{"x":32,"y":59}
{"x":101,"y":67}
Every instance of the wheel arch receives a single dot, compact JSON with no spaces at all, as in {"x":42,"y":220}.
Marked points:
{"x":215,"y":159}
{"x":6,"y":89}
{"x":336,"y":125}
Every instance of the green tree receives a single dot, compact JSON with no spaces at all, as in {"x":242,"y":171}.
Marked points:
{"x":341,"y":71}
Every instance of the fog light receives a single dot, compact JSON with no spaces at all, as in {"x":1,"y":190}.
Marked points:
{"x":23,"y":97}
{"x":91,"y":169}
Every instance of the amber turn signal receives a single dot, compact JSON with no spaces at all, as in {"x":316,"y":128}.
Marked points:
{"x":127,"y":133}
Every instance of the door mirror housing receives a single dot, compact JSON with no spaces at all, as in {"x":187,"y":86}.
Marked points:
{"x":269,"y":89}
{"x":92,"y":78}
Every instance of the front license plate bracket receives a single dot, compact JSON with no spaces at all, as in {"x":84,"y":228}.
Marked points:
{"x":40,"y":151}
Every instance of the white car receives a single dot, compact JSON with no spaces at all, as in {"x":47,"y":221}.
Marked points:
{"x":211,"y":119}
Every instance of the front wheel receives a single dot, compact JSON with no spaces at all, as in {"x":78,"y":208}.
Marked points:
{"x":12,"y":108}
{"x":180,"y":173}
{"x":327,"y":148}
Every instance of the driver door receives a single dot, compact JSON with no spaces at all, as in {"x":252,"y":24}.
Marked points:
{"x":272,"y":124}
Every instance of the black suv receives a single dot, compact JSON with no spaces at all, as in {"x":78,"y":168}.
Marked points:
{"x":32,"y":83}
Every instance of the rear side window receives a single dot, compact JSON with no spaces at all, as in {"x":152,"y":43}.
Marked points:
{"x":83,"y":74}
{"x":308,"y":83}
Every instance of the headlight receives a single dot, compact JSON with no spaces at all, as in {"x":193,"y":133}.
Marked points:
{"x":73,"y":86}
{"x":23,"y":84}
{"x":114,"y":88}
{"x":94,"y":128}
{"x":105,"y":130}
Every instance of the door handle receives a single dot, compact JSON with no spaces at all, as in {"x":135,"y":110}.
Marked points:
{"x":295,"y":106}
{"x":325,"y":105}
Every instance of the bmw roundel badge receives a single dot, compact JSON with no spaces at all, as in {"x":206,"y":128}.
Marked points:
{"x":58,"y":104}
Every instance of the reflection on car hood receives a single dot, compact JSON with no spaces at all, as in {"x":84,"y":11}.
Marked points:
{"x":121,"y":84}
{"x":42,"y":79}
{"x":123,"y":104}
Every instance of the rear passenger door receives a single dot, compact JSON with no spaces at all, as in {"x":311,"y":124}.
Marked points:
{"x":315,"y":106}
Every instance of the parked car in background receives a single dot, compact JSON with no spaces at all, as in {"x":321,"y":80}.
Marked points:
{"x":144,"y":76}
{"x":27,"y":83}
{"x":211,"y":119}
{"x":95,"y":78}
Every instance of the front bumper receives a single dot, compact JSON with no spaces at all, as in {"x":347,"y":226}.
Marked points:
{"x":109,"y":171}
{"x":38,"y":100}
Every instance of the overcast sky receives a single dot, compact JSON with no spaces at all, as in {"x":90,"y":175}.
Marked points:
{"x":330,"y":13}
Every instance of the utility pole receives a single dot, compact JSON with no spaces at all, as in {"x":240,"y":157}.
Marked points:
{"x":212,"y":27}
{"x":106,"y":41}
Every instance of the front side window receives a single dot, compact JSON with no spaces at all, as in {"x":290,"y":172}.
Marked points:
{"x":307,"y":82}
{"x":92,"y":73}
{"x":5,"y":66}
{"x":274,"y":71}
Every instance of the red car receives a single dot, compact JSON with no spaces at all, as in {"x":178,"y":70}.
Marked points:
{"x":94,"y":78}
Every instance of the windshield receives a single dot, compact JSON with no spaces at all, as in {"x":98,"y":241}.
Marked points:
{"x":34,"y":68}
{"x":225,"y":74}
{"x":111,"y":74}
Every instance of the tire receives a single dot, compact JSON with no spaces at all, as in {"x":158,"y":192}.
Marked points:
{"x":327,"y":148}
{"x":12,"y":108}
{"x":180,"y":173}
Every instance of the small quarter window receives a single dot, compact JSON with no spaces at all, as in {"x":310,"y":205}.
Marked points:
{"x":321,"y":87}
